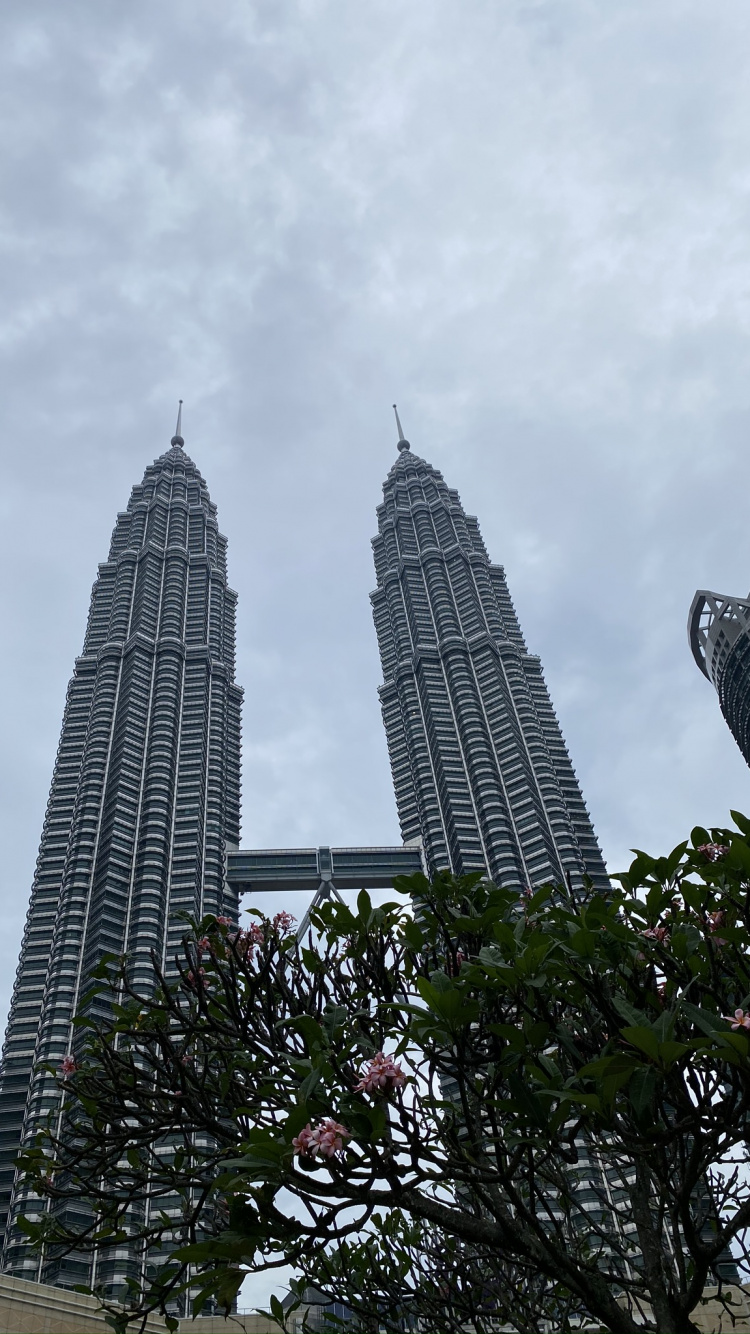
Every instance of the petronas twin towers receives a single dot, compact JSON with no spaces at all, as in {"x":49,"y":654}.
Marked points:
{"x":142,"y":823}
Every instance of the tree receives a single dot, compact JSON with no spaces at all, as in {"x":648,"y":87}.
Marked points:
{"x":487,"y":1109}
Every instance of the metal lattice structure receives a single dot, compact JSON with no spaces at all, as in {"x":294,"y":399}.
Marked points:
{"x":719,"y":635}
{"x":143,"y":806}
{"x":480,"y":768}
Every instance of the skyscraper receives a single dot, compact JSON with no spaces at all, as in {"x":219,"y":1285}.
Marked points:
{"x":143,"y":806}
{"x":481,"y":771}
{"x":719,"y":635}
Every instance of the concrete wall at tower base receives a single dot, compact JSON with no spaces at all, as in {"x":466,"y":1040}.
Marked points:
{"x":36,"y":1308}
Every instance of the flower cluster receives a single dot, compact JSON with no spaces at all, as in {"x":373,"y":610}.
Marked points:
{"x":451,"y":969}
{"x":224,"y":921}
{"x":67,"y":1066}
{"x":282,"y":923}
{"x":657,"y":933}
{"x":740,"y":1019}
{"x":194,"y":980}
{"x":381,"y":1075}
{"x":713,"y":852}
{"x":244,"y":941}
{"x":715,"y":920}
{"x":327,"y":1139}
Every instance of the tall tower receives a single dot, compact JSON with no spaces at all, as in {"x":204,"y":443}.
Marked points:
{"x":144,"y":801}
{"x":481,"y":771}
{"x":719,"y":634}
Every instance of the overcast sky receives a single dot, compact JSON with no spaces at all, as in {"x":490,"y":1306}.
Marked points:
{"x":525,"y":221}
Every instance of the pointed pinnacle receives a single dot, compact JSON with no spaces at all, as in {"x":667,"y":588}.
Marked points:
{"x":403,"y":443}
{"x":177,"y":437}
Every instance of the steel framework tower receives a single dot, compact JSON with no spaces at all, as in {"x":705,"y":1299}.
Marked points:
{"x":719,"y":635}
{"x":481,"y":771}
{"x":143,"y":806}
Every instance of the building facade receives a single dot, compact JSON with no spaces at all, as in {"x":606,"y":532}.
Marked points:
{"x":719,"y":635}
{"x":480,"y":768}
{"x":143,"y":806}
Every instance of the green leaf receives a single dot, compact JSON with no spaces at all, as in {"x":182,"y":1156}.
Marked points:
{"x":640,"y":868}
{"x":742,"y":823}
{"x":584,"y":943}
{"x":684,"y":941}
{"x":309,"y":1028}
{"x":703,"y":1020}
{"x":296,"y":1120}
{"x":610,"y":1066}
{"x":641,"y":1090}
{"x":737,"y":1041}
{"x":526,"y":1102}
{"x":627,"y":1011}
{"x":277,"y":1311}
{"x":738,"y":857}
{"x":413,"y":933}
{"x":669,"y":1052}
{"x":674,"y":859}
{"x":643,"y":1038}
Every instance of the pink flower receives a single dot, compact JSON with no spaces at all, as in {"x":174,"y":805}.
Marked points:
{"x":67,"y":1066}
{"x":326,"y":1139}
{"x":242,"y":942}
{"x":224,"y":921}
{"x":204,"y":944}
{"x":740,"y":1020}
{"x":713,"y":852}
{"x":381,"y":1075}
{"x":658,"y":933}
{"x":282,"y":922}
{"x":194,"y":980}
{"x":303,"y":1142}
{"x":455,"y":969}
{"x":715,"y":920}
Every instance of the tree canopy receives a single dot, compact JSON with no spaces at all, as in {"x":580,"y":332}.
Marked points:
{"x":479,"y":1109}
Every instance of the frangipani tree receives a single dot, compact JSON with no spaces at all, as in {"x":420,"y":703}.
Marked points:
{"x":488,"y":1110}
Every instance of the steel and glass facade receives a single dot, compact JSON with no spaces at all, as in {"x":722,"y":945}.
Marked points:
{"x":719,"y":635}
{"x":480,"y":768}
{"x":143,"y":806}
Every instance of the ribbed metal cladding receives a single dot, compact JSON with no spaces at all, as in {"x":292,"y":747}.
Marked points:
{"x":734,"y":693}
{"x":719,"y":636}
{"x":144,"y":802}
{"x":481,"y":772}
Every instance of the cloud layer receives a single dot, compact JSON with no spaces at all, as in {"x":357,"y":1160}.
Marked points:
{"x":527,"y":222}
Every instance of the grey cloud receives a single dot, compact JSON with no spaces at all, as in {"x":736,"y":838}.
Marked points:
{"x":527,"y":222}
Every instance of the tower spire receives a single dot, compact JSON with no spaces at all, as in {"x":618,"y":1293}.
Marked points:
{"x":403,"y":443}
{"x":177,"y":437}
